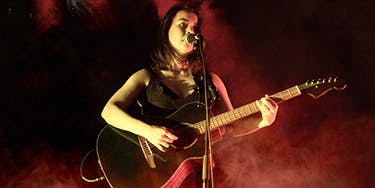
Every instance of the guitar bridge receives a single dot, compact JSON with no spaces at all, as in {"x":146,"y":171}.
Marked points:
{"x":147,"y":152}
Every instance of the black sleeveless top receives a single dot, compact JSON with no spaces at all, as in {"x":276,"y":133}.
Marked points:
{"x":158,"y":100}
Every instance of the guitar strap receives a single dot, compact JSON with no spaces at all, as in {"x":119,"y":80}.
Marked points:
{"x":212,"y":91}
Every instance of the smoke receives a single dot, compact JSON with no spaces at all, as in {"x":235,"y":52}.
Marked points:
{"x":41,"y":165}
{"x":256,"y":48}
{"x":332,"y":153}
{"x":313,"y":143}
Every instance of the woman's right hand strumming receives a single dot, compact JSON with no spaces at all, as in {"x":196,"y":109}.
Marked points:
{"x":160,"y":137}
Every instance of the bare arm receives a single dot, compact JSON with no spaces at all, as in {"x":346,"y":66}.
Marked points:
{"x":225,"y":103}
{"x":114,"y":112}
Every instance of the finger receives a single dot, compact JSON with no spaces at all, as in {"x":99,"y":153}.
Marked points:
{"x":164,"y":144}
{"x":167,"y":139}
{"x":261,"y":107}
{"x":272,"y":104}
{"x":160,"y":147}
{"x":170,"y":135}
{"x":267,"y":105}
{"x":257,"y":102}
{"x":269,"y":99}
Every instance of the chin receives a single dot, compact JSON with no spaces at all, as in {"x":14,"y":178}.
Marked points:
{"x":185,"y":52}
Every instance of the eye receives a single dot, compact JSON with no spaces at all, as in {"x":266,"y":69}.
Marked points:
{"x":182,"y":25}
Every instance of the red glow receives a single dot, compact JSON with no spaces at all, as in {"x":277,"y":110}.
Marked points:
{"x":43,"y":166}
{"x":163,"y":6}
{"x":332,"y":155}
{"x":47,"y":14}
{"x":101,"y":14}
{"x":313,"y":143}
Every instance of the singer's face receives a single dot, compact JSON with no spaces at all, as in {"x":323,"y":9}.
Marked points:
{"x":184,"y":22}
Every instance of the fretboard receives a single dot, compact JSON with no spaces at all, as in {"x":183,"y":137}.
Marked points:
{"x":245,"y":110}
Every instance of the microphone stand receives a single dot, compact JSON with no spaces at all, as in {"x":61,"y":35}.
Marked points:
{"x":207,"y":157}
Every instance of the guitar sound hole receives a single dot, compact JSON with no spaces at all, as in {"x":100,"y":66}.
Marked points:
{"x":187,"y":137}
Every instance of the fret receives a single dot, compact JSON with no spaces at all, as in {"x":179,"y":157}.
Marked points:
{"x":286,"y":94}
{"x":244,"y":113}
{"x":237,"y":114}
{"x":289,"y":94}
{"x":218,"y":122}
{"x":201,"y":127}
{"x":248,"y":109}
{"x":214,"y":122}
{"x":220,"y":119}
{"x":231,"y":117}
{"x":240,"y":112}
{"x":227,"y":118}
{"x":253,"y":108}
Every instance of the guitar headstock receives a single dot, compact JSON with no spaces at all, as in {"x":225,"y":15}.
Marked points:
{"x":321,"y":86}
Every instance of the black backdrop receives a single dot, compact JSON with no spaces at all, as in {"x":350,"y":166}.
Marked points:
{"x":61,"y":61}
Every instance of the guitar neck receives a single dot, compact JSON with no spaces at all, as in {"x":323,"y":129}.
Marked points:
{"x":245,"y":110}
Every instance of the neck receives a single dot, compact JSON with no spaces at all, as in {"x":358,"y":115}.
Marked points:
{"x":180,"y":66}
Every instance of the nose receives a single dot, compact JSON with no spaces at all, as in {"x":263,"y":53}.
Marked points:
{"x":190,"y":29}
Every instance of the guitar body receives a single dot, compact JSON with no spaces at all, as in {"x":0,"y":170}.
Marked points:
{"x":123,"y":162}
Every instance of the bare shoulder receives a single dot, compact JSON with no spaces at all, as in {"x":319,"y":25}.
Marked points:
{"x":142,"y":76}
{"x":142,"y":73}
{"x":214,"y":75}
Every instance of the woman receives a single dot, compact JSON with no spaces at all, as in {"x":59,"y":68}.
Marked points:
{"x":172,"y":62}
{"x":173,"y":78}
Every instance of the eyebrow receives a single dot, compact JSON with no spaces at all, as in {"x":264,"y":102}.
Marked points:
{"x":183,"y":19}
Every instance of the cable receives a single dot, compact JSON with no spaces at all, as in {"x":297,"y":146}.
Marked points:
{"x":81,"y":170}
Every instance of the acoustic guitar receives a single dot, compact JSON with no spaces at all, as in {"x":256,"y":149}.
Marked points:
{"x":130,"y":161}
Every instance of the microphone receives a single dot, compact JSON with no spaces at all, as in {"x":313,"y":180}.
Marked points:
{"x":191,"y":38}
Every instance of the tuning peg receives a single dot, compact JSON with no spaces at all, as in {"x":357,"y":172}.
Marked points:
{"x":329,"y":79}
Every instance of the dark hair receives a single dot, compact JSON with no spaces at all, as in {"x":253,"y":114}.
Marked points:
{"x":164,"y":52}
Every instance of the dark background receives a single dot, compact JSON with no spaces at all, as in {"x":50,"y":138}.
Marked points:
{"x":61,"y":61}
